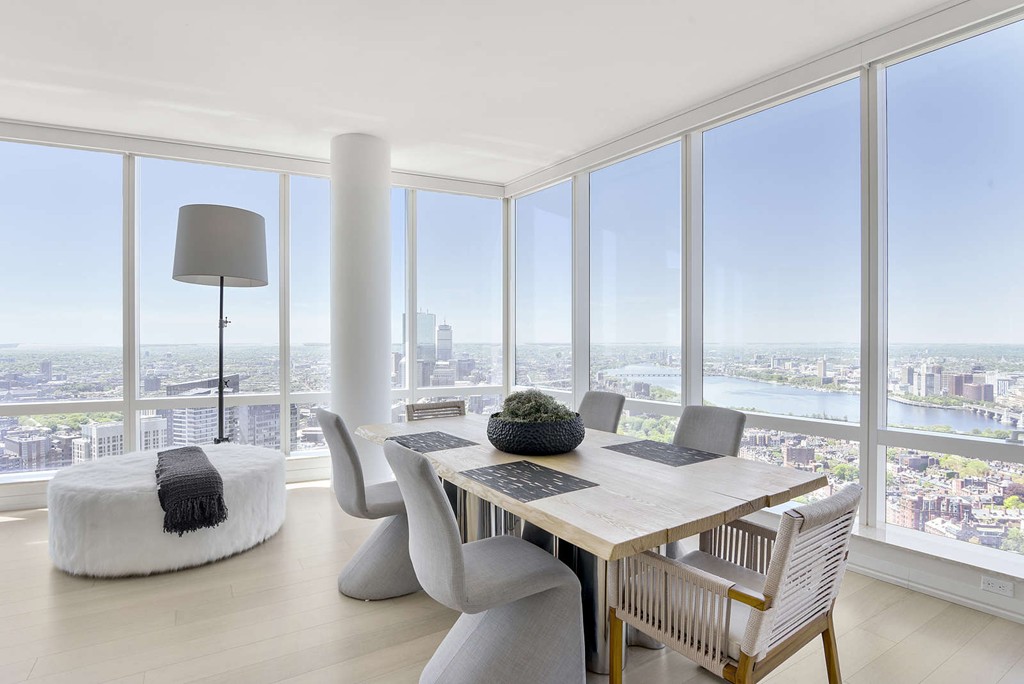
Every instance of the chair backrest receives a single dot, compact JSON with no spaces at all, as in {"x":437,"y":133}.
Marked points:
{"x":806,"y":569}
{"x":346,"y":470}
{"x":601,"y":410}
{"x":434,"y":543}
{"x":710,"y":428}
{"x":436,"y":409}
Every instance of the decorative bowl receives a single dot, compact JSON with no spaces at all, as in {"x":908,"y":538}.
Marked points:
{"x":535,"y":439}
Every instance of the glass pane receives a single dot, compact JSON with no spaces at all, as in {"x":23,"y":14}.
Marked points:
{"x":956,"y":326}
{"x":47,"y":442}
{"x":544,"y":288}
{"x":310,"y":228}
{"x":178,"y":321}
{"x":398,"y":221}
{"x":311,"y":282}
{"x":782,"y":258}
{"x":838,"y":459}
{"x":61,"y":222}
{"x":305,"y":428}
{"x":459,"y":267}
{"x":652,"y":426}
{"x":259,"y":424}
{"x":635,"y":306}
{"x":980,"y":502}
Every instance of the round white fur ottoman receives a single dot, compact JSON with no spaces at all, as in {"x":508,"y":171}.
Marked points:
{"x":106,"y":520}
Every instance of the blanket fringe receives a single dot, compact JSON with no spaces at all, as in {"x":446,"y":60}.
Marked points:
{"x":189,"y":515}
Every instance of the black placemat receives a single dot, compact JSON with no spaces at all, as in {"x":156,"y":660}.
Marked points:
{"x":425,"y":442}
{"x":526,"y":481}
{"x":669,"y":454}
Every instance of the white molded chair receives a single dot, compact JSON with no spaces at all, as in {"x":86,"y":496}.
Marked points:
{"x":381,"y":568}
{"x":522,"y":614}
{"x":749,"y":598}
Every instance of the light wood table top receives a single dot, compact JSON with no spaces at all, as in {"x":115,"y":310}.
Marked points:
{"x":638,"y":505}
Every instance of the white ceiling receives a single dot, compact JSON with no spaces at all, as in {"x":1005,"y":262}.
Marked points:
{"x":462,"y":88}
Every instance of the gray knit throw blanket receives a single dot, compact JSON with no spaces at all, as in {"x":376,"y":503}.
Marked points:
{"x":191,"y":490}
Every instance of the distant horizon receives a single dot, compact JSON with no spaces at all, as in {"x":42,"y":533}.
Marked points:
{"x":49,"y":345}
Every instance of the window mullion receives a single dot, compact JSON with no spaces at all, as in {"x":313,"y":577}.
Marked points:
{"x":284,"y":311}
{"x":873,"y":294}
{"x":129,"y":306}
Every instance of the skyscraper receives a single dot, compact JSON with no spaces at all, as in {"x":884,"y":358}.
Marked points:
{"x":426,"y":344}
{"x":99,"y":440}
{"x":444,"y":342}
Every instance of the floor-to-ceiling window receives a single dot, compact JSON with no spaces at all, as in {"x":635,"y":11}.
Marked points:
{"x":310,"y":290}
{"x":543,"y":261}
{"x":457,"y":323}
{"x":60,"y":329}
{"x":178,"y":321}
{"x":782,"y":260}
{"x":955,"y":324}
{"x":635,"y":283}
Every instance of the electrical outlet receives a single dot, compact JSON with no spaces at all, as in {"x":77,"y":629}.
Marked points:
{"x":997,"y":586}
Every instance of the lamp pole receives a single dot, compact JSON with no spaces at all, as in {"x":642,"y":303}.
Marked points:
{"x":222,"y":323}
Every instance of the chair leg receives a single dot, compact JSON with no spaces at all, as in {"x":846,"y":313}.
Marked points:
{"x":615,"y":648}
{"x":828,"y":638}
{"x":745,"y":669}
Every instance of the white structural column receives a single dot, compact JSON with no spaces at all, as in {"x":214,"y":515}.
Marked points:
{"x":361,"y":289}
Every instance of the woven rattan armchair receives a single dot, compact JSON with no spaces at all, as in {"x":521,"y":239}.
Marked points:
{"x":749,"y":599}
{"x":434,"y":409}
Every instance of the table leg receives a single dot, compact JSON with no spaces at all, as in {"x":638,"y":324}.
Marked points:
{"x":511,"y":524}
{"x":593,"y":575}
{"x":616,"y":647}
{"x":475,"y":517}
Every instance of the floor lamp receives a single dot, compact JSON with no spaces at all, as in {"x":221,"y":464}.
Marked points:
{"x":225,"y":247}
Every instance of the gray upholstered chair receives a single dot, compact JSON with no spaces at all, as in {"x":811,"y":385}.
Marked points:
{"x":710,"y":428}
{"x":602,"y":410}
{"x":381,"y":568}
{"x":522,"y":615}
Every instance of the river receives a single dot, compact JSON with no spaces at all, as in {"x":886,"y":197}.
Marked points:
{"x":800,"y":401}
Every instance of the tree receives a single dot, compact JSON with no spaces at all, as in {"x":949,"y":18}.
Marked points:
{"x":845,"y":472}
{"x":1013,"y":502}
{"x":1014,"y":541}
{"x":1014,"y":489}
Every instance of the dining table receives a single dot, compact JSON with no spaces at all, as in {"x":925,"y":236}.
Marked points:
{"x":611,"y":497}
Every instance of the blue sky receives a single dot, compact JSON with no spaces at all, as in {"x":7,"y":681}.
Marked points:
{"x":956,"y":192}
{"x":635,"y":247}
{"x":459,"y":265}
{"x":782,"y":221}
{"x":544,"y":265}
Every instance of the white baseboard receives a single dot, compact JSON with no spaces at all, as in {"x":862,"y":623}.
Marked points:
{"x":17,"y":496}
{"x":948,"y":580}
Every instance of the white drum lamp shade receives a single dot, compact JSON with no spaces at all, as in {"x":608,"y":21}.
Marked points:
{"x":217,"y":242}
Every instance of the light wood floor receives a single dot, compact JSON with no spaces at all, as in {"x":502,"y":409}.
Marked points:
{"x":274,"y":614}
